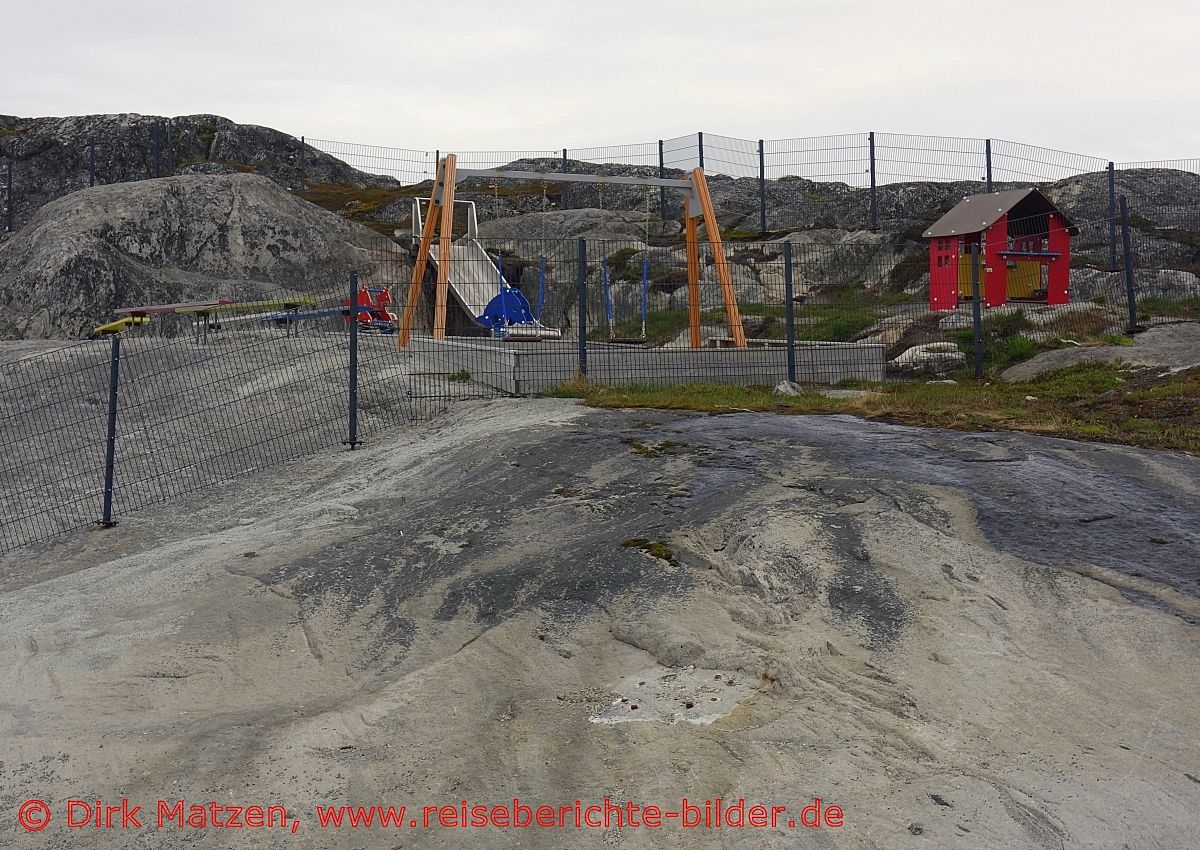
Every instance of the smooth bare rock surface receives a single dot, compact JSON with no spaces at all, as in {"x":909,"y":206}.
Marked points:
{"x":1174,"y":347}
{"x":987,"y":639}
{"x":169,"y":240}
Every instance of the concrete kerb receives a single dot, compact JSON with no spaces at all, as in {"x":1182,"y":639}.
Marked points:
{"x":526,"y":368}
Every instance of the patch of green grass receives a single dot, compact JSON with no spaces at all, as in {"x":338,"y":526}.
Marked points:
{"x":462,"y":376}
{"x":11,"y":131}
{"x":207,"y":134}
{"x":620,"y":267}
{"x":1108,"y":402}
{"x":244,"y":167}
{"x":662,"y":326}
{"x":354,"y":201}
{"x":1176,"y":308}
{"x":1004,"y":342}
{"x":653,"y":548}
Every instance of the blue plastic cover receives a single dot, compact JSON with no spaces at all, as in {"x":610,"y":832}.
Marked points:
{"x":509,"y":307}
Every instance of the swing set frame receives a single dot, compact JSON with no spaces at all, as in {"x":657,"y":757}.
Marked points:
{"x":697,"y":209}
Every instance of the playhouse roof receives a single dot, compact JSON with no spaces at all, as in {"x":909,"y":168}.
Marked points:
{"x":979,"y":212}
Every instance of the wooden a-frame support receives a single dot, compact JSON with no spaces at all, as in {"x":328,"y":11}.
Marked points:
{"x":440,"y":220}
{"x":732,"y":316}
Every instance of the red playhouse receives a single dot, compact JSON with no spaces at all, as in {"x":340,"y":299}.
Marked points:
{"x":1025,"y":250}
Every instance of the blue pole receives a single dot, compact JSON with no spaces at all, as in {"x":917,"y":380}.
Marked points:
{"x":608,"y":309}
{"x":110,"y":442}
{"x":645,"y":293}
{"x":581,"y":298}
{"x":503,"y":306}
{"x":541,"y":285}
{"x":352,"y":430}
{"x":789,"y":308}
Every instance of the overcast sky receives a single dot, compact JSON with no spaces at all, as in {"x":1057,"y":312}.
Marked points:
{"x":1117,"y":80}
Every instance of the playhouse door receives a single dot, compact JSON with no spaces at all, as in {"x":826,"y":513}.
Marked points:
{"x":943,"y":274}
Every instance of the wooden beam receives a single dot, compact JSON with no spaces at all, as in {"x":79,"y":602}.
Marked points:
{"x":713,"y":232}
{"x":432,"y":217}
{"x":693,"y":273}
{"x":442,"y":293}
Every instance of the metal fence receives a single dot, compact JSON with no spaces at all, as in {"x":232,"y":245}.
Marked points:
{"x":104,"y":427}
{"x":867,"y":161}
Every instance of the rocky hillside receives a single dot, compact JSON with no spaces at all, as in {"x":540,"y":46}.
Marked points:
{"x":51,"y":156}
{"x":168,"y":240}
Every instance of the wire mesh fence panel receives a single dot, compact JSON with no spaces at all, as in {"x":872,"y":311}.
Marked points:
{"x":730,"y":156}
{"x":682,"y":152}
{"x":841,"y":158}
{"x":1189,"y":165}
{"x":405,"y":165}
{"x":496,"y":159}
{"x":901,"y":158}
{"x":194,"y":416}
{"x":53,"y":413}
{"x":643,"y":153}
{"x":1014,"y":162}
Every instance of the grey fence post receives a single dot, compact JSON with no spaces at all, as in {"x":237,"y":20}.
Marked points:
{"x":583,"y":306}
{"x":301,"y":157}
{"x":9,"y":200}
{"x":92,"y":161}
{"x":1127,"y":245}
{"x":700,"y":147}
{"x":874,"y":197}
{"x":352,"y":436}
{"x":1112,"y":217}
{"x":976,"y":310}
{"x":762,"y":188}
{"x":789,"y":310}
{"x":662,"y":190}
{"x":564,"y":159}
{"x":110,"y":443}
{"x":987,"y":159}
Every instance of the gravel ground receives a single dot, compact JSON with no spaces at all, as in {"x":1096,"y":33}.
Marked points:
{"x":962,"y":640}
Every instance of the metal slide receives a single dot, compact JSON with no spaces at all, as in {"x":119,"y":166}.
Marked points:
{"x":479,"y":287}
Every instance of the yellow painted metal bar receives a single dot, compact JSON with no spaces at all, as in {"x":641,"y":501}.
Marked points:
{"x":432,"y":217}
{"x":723,"y":277}
{"x":122,"y":324}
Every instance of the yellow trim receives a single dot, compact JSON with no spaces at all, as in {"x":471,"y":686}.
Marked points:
{"x":121,"y":325}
